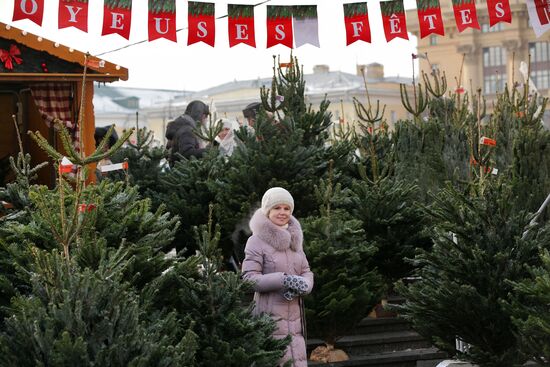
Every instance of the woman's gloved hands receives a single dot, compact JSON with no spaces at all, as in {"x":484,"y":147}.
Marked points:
{"x":294,"y":285}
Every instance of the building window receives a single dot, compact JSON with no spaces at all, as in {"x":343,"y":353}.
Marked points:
{"x":494,"y":69}
{"x":540,"y":64}
{"x":433,"y":40}
{"x":496,"y":28}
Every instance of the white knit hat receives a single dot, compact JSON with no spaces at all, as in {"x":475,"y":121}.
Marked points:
{"x":275,"y":196}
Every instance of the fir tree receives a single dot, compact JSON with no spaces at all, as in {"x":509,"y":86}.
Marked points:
{"x":529,"y":309}
{"x":82,"y":317}
{"x":481,"y":244}
{"x":146,"y":163}
{"x":211,"y":303}
{"x":347,"y":285}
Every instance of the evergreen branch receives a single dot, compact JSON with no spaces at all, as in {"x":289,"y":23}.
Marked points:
{"x":240,"y":11}
{"x":392,"y":7}
{"x":355,"y":9}
{"x":279,"y":11}
{"x":197,"y":9}
{"x":43,"y":143}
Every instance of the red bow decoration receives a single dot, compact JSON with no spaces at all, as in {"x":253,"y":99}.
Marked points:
{"x":8,"y":57}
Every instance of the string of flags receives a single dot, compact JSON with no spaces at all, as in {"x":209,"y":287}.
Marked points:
{"x":291,"y":26}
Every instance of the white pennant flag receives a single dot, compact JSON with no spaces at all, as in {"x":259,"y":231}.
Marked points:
{"x":539,"y":15}
{"x":306,"y":28}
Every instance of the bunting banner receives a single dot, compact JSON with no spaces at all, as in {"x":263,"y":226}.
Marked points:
{"x":465,"y":14}
{"x":162,"y":20}
{"x":73,"y":13}
{"x":117,"y":17}
{"x":356,"y":20}
{"x":499,"y":11}
{"x":288,"y":25}
{"x":279,"y":26}
{"x":305,"y":25}
{"x":240,"y":23}
{"x":202,"y":25}
{"x":393,"y":18}
{"x":32,"y":10}
{"x":430,"y":20}
{"x":539,"y":15}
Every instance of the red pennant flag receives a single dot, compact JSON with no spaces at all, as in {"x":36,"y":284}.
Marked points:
{"x":488,"y":141}
{"x":499,"y":11}
{"x":73,"y":13}
{"x":393,"y":18}
{"x":29,"y":9}
{"x":117,"y":18}
{"x":202,"y":25}
{"x":429,"y":18}
{"x":162,"y":20}
{"x":279,"y":26}
{"x":356,"y":19}
{"x":240,"y":24}
{"x":65,"y":166}
{"x":539,"y":16}
{"x":465,"y":14}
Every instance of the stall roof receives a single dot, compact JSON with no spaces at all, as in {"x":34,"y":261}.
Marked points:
{"x":62,"y":62}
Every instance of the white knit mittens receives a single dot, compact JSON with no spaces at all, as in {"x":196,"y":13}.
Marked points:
{"x":295,"y":285}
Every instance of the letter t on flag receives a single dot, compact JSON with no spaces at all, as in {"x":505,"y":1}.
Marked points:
{"x":429,"y":18}
{"x":202,"y":24}
{"x":29,"y":9}
{"x":240,"y":22}
{"x":356,"y":19}
{"x":539,"y":15}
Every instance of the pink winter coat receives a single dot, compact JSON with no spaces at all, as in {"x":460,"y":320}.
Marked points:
{"x":271,"y":252}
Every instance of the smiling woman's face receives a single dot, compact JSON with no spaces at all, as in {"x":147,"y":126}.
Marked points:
{"x":280,"y":214}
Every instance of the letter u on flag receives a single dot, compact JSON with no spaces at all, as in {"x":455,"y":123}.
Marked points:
{"x":29,"y":9}
{"x":162,"y":20}
{"x":279,"y":26}
{"x":356,"y":19}
{"x":539,"y":15}
{"x":306,"y":27}
{"x":240,"y":23}
{"x":202,"y":24}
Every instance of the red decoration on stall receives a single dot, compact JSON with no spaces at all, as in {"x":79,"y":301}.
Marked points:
{"x":8,"y":57}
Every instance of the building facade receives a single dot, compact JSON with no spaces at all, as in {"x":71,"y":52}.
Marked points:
{"x":131,"y":107}
{"x":488,"y":58}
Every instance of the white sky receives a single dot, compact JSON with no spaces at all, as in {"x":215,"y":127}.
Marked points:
{"x":165,"y":64}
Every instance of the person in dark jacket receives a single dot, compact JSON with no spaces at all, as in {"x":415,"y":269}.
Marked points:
{"x":179,"y":132}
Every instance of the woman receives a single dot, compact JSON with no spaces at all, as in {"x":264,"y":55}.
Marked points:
{"x":275,"y":262}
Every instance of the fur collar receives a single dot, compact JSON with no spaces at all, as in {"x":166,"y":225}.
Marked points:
{"x":277,"y":237}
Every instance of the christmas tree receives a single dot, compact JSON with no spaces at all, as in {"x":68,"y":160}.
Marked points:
{"x":481,"y":245}
{"x":347,"y":285}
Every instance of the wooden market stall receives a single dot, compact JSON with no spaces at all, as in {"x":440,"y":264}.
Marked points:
{"x":41,"y":80}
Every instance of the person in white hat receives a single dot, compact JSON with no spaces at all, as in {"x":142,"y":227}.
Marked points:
{"x":277,"y":265}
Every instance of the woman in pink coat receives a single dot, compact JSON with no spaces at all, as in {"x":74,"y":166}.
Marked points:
{"x":275,"y":262}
